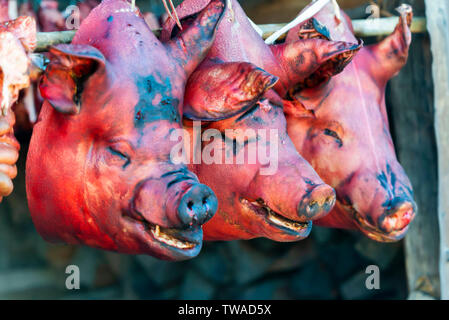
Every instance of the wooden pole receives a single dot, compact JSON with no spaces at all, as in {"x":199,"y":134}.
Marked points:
{"x":46,"y":39}
{"x":362,"y":28}
{"x":437,"y":13}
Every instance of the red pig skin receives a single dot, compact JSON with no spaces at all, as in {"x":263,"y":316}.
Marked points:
{"x":279,"y":206}
{"x":347,"y":139}
{"x":292,"y":63}
{"x":98,"y":168}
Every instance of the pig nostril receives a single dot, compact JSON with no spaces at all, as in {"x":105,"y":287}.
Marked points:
{"x":197,"y":205}
{"x":397,"y":220}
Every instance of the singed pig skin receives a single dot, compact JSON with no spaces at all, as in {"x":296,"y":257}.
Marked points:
{"x":340,"y":126}
{"x":295,"y":194}
{"x":99,"y":171}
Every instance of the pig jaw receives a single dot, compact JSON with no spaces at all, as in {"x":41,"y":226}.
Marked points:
{"x":255,"y":220}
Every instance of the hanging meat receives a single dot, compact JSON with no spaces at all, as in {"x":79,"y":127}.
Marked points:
{"x":98,"y":168}
{"x":340,"y":126}
{"x":231,"y":95}
{"x":17,"y":39}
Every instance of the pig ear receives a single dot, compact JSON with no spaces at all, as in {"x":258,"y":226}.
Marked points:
{"x":313,"y":29}
{"x":64,"y":78}
{"x":221,"y":91}
{"x":191,"y":46}
{"x":391,"y":54}
{"x":312,"y":61}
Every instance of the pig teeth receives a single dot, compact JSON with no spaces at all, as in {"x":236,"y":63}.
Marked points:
{"x":276,"y":219}
{"x":169,"y":240}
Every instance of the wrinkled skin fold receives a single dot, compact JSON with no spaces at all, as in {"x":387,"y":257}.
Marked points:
{"x":340,"y":126}
{"x":98,"y":170}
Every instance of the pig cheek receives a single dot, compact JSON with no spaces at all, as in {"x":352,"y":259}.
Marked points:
{"x":106,"y":191}
{"x":230,"y":184}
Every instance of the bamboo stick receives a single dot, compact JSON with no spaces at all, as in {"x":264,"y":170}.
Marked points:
{"x":362,"y":28}
{"x":46,"y":39}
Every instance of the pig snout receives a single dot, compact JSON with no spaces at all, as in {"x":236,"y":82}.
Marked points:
{"x":317,"y":203}
{"x":382,"y":204}
{"x":293,"y":196}
{"x":184,"y":203}
{"x":197,"y":205}
{"x":398,"y":218}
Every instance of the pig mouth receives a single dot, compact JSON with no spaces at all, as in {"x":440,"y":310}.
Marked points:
{"x":275,"y":219}
{"x":178,"y":239}
{"x":371,"y":231}
{"x":171,"y":237}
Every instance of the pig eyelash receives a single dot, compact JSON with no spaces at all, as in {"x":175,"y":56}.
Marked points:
{"x":333,"y":134}
{"x":121,"y":155}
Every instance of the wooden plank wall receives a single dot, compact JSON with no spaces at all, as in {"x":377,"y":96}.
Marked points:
{"x":438,"y":26}
{"x":410,"y":103}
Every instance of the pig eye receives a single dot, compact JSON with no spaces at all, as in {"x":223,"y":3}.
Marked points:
{"x":120,"y":154}
{"x":333,"y":134}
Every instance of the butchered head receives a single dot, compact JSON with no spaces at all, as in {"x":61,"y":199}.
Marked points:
{"x":264,"y":187}
{"x":98,"y":169}
{"x":276,"y":198}
{"x":341,"y":127}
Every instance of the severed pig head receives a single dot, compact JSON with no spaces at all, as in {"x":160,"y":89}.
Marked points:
{"x":234,"y":96}
{"x":98,"y":170}
{"x":340,"y":126}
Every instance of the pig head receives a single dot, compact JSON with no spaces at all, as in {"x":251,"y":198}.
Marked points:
{"x":264,"y":188}
{"x":232,"y":95}
{"x":98,"y":169}
{"x":340,"y":126}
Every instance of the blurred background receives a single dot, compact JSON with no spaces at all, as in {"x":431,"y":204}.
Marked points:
{"x":330,"y":264}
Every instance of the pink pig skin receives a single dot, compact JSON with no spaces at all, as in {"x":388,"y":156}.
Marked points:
{"x":99,"y":171}
{"x":340,"y":126}
{"x":230,"y":94}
